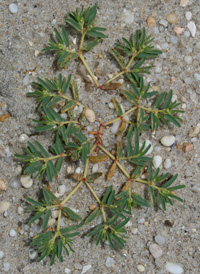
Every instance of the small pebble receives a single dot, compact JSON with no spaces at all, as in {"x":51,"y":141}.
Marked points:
{"x":18,"y":170}
{"x":188,"y":15}
{"x":134,"y":230}
{"x":78,"y":266}
{"x":99,"y":220}
{"x":167,"y":163}
{"x":147,"y":143}
{"x":128,"y":17}
{"x":6,"y":267}
{"x":14,"y":183}
{"x":163,"y":22}
{"x":141,"y":221}
{"x":26,"y":80}
{"x":67,"y":270}
{"x":32,"y":254}
{"x":92,"y":207}
{"x":13,"y":233}
{"x":4,"y":117}
{"x":157,"y":161}
{"x":194,"y":132}
{"x":167,"y":140}
{"x":172,"y":18}
{"x":192,"y":28}
{"x":187,"y":33}
{"x":51,"y":222}
{"x":173,"y":268}
{"x":178,"y":30}
{"x":23,"y":138}
{"x":109,"y":262}
{"x":78,"y":170}
{"x":187,"y":147}
{"x":115,"y":127}
{"x":37,"y":52}
{"x":140,"y":268}
{"x":188,"y":60}
{"x":61,"y":189}
{"x":95,"y":168}
{"x":184,"y":106}
{"x":69,"y":169}
{"x":54,"y":213}
{"x":155,"y":250}
{"x":1,"y":254}
{"x":159,"y":240}
{"x":20,"y":210}
{"x":53,"y":22}
{"x":111,"y":105}
{"x":4,"y":206}
{"x":2,"y":185}
{"x":13,"y":8}
{"x":90,"y":115}
{"x":26,"y":181}
{"x":151,"y":22}
{"x":86,"y":268}
{"x":184,"y":3}
{"x":197,"y":76}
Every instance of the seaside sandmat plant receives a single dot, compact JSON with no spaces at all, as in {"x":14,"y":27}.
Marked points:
{"x":72,"y":142}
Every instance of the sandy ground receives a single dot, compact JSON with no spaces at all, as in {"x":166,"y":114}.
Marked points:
{"x":28,"y":31}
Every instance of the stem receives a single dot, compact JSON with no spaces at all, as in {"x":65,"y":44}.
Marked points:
{"x":59,"y":217}
{"x":119,"y":118}
{"x":104,"y":214}
{"x":114,"y":159}
{"x":88,"y":69}
{"x":52,"y":157}
{"x":82,"y":40}
{"x":116,"y":76}
{"x":147,"y":183}
{"x":93,"y":193}
{"x":67,"y":98}
{"x":71,"y":193}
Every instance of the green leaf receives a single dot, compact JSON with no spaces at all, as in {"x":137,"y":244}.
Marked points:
{"x":41,"y":149}
{"x":153,"y":198}
{"x":117,"y":107}
{"x":107,"y":193}
{"x":95,"y":230}
{"x":162,"y":201}
{"x":58,"y":36}
{"x":109,"y":239}
{"x":75,"y":90}
{"x":123,"y":223}
{"x":46,"y":219}
{"x":73,"y":23}
{"x":70,"y":104}
{"x":97,"y":34}
{"x":36,"y":203}
{"x":37,"y":216}
{"x":139,"y":200}
{"x":66,"y":84}
{"x":168,"y":100}
{"x":91,"y":44}
{"x":176,"y":187}
{"x":95,"y":213}
{"x":119,"y":58}
{"x":170,"y":181}
{"x":85,"y":152}
{"x":117,"y":240}
{"x":60,"y":246}
{"x":159,"y":100}
{"x":129,"y":96}
{"x":65,"y":37}
{"x":71,"y":214}
{"x":91,"y":178}
{"x":172,"y":119}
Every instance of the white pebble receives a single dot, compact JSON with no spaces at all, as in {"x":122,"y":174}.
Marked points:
{"x":20,"y":210}
{"x":109,"y":262}
{"x":184,"y":3}
{"x":95,"y":168}
{"x":4,"y":206}
{"x":54,"y":213}
{"x":167,"y":141}
{"x":128,"y":17}
{"x":141,"y":221}
{"x":99,"y":220}
{"x":194,"y":132}
{"x":18,"y":170}
{"x":115,"y":127}
{"x":86,"y":268}
{"x":140,"y":268}
{"x":13,"y":8}
{"x":159,"y":240}
{"x":78,"y":170}
{"x":158,"y":68}
{"x":67,"y":270}
{"x":90,"y":115}
{"x":80,"y":109}
{"x":174,"y":98}
{"x":188,"y":15}
{"x":51,"y":222}
{"x":12,"y":233}
{"x":69,"y":168}
{"x":32,"y":254}
{"x":167,"y":163}
{"x":157,"y":161}
{"x":26,"y":181}
{"x":37,"y":52}
{"x":163,"y":22}
{"x":188,"y":60}
{"x":26,"y":80}
{"x":184,"y":106}
{"x":61,"y":189}
{"x":174,"y":268}
{"x":134,"y":230}
{"x":187,"y":33}
{"x":23,"y":138}
{"x":53,"y":22}
{"x":111,"y":105}
{"x":147,"y":143}
{"x":6,"y":267}
{"x":1,"y":254}
{"x":192,"y":28}
{"x":197,"y":76}
{"x":2,"y":185}
{"x":155,"y":250}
